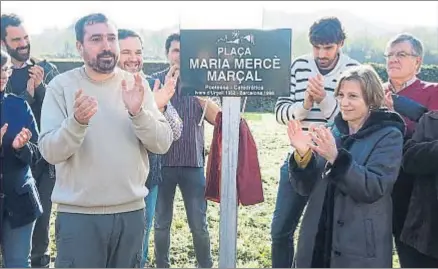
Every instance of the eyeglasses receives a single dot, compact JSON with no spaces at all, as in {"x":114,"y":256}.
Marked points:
{"x":399,"y":55}
{"x":7,"y":70}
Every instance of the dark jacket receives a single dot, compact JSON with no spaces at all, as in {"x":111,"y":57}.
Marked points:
{"x":20,"y":197}
{"x":248,"y":176}
{"x":36,"y":102}
{"x":420,"y":229}
{"x":408,"y":108}
{"x":357,"y":227}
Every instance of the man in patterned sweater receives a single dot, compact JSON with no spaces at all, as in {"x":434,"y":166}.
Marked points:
{"x":313,"y":80}
{"x":131,"y":60}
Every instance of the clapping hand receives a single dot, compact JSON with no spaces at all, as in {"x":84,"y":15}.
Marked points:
{"x":162,"y":96}
{"x":85,"y":107}
{"x":324,"y":143}
{"x":36,"y":73}
{"x":389,"y":102}
{"x":31,"y":86}
{"x":315,"y":88}
{"x":133,"y":97}
{"x":21,"y":138}
{"x":297,"y":137}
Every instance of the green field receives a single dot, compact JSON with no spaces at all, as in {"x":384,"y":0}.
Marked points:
{"x":253,"y":242}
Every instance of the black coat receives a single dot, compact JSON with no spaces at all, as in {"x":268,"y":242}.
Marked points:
{"x":420,"y":161}
{"x":362,"y":178}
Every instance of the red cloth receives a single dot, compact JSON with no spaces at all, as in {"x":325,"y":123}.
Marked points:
{"x":248,"y":176}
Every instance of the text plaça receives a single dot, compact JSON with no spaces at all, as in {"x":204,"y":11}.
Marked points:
{"x":233,"y":51}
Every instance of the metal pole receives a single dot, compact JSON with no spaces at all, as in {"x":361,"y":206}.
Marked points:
{"x":228,"y":202}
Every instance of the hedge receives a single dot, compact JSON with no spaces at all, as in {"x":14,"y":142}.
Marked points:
{"x":257,"y":104}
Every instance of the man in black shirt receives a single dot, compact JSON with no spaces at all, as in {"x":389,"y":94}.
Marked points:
{"x":28,"y":80}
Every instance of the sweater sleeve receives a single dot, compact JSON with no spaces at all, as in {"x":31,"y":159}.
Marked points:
{"x":61,"y":135}
{"x":288,"y":108}
{"x":151,"y":127}
{"x":174,"y":120}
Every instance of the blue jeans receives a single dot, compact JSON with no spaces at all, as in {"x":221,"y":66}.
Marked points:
{"x":16,"y":245}
{"x":151,"y":201}
{"x":191,"y":181}
{"x":288,"y":209}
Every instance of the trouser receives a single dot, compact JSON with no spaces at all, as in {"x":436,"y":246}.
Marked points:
{"x":16,"y":244}
{"x":191,"y":181}
{"x":288,"y":210}
{"x":99,"y":241}
{"x":151,"y":201}
{"x":40,"y":253}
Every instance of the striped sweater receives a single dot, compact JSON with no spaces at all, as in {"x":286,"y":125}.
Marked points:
{"x":291,"y":107}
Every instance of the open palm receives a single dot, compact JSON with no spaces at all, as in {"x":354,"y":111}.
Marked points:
{"x":297,"y":137}
{"x":133,"y":97}
{"x":162,"y":96}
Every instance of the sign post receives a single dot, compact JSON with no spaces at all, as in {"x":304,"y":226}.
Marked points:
{"x":228,"y":205}
{"x":232,"y":64}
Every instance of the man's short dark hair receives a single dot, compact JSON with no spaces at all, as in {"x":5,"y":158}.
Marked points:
{"x":88,"y":20}
{"x":125,"y":33}
{"x":170,"y":39}
{"x":9,"y":20}
{"x":326,"y":31}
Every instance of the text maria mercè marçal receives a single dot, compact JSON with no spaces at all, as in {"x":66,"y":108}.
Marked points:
{"x":238,"y":69}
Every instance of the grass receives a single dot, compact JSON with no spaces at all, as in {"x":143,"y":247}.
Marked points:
{"x":253,"y":242}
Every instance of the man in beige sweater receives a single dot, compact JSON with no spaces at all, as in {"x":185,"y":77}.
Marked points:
{"x":97,"y":124}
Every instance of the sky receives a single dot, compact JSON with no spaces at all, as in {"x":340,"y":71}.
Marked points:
{"x":156,"y":15}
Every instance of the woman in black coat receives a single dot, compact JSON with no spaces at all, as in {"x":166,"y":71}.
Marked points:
{"x":19,"y":198}
{"x":348,"y":174}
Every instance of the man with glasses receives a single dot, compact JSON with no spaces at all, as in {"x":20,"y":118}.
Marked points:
{"x":404,"y":56}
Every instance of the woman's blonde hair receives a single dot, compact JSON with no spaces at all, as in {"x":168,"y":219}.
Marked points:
{"x":370,"y":84}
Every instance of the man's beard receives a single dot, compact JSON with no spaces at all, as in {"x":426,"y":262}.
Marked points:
{"x":103,"y":66}
{"x":14,"y":53}
{"x":326,"y":63}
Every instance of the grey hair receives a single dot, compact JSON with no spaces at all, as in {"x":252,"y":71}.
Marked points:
{"x":417,"y":45}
